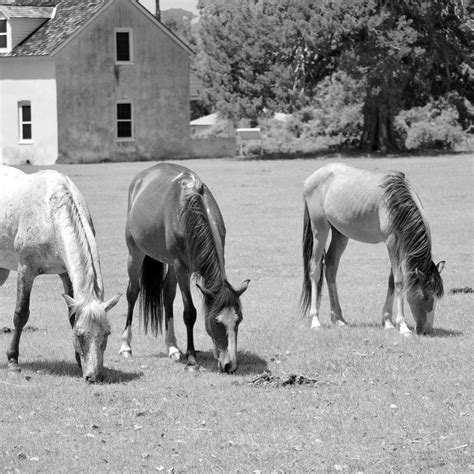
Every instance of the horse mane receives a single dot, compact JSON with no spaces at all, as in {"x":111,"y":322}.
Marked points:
{"x":202,"y":251}
{"x":226,"y":297}
{"x":90,"y":312}
{"x":413,"y":239}
{"x":83,"y":231}
{"x":199,"y":239}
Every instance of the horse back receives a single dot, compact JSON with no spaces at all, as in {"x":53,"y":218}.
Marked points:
{"x":30,"y":205}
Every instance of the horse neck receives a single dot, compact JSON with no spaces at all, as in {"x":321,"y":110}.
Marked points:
{"x":79,"y":249}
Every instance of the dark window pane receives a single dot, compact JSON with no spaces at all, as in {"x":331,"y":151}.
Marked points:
{"x":26,"y":113}
{"x":124,"y":129}
{"x":3,"y":26}
{"x":3,"y":41}
{"x":124,"y":111}
{"x":26,"y":131}
{"x":123,"y":46}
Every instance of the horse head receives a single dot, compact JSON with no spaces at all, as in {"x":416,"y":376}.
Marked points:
{"x":424,"y":295}
{"x":223,"y":316}
{"x":90,"y":332}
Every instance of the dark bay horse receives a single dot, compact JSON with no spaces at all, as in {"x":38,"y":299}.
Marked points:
{"x":46,"y":228}
{"x":175,"y":229}
{"x":369,"y":207}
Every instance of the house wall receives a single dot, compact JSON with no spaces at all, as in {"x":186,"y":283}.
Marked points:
{"x":89,"y":84}
{"x":28,"y":79}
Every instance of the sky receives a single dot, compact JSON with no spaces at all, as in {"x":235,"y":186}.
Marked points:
{"x":190,"y":5}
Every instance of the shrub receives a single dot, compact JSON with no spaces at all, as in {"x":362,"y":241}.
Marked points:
{"x":434,"y":125}
{"x":333,"y":119}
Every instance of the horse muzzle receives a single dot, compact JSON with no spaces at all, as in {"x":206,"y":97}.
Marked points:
{"x":226,"y":364}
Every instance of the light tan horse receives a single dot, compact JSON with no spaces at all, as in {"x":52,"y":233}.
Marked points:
{"x":174,"y":230}
{"x":369,"y":207}
{"x":46,"y":228}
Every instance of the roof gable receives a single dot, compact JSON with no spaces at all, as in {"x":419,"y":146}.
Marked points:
{"x":69,"y":18}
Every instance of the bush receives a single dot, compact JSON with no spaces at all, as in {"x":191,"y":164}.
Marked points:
{"x":434,"y":125}
{"x":333,"y":119}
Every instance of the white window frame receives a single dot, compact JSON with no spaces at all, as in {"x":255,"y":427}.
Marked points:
{"x":117,"y":120}
{"x":7,"y":35}
{"x":130,"y":44}
{"x":22,"y":122}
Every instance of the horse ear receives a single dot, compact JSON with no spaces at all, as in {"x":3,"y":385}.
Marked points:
{"x":243,"y":286}
{"x":69,"y":301}
{"x":203,"y":290}
{"x":440,"y":266}
{"x":108,"y":305}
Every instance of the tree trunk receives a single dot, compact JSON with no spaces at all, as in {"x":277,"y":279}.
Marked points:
{"x":379,"y":111}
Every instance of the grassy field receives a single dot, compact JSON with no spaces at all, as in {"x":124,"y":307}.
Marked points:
{"x":381,"y":402}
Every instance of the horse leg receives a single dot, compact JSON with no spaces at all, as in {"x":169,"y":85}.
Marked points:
{"x":388,"y":306}
{"x":134,"y":266}
{"x":169,"y":293}
{"x":333,"y":257}
{"x":320,"y":235}
{"x":4,"y":272}
{"x":25,"y":280}
{"x":189,"y":313}
{"x":68,"y":290}
{"x":398,"y":283}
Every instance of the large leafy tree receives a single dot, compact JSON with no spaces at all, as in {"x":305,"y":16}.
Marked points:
{"x":271,"y":54}
{"x":408,"y":51}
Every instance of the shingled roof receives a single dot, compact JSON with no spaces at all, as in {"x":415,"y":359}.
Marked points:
{"x":70,"y":16}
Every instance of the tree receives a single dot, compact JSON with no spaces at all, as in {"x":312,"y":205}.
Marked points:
{"x":180,"y":22}
{"x":258,"y":55}
{"x":409,"y":52}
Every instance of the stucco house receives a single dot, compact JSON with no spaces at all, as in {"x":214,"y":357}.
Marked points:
{"x":90,"y":80}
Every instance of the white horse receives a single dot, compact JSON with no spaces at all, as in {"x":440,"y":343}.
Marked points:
{"x":369,"y":207}
{"x":46,"y":228}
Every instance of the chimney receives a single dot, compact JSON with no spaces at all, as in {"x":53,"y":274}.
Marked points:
{"x":157,"y":10}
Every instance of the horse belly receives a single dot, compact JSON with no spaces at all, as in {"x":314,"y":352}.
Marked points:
{"x":356,"y":216}
{"x":150,"y":236}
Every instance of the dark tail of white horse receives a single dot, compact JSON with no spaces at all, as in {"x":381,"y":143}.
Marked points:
{"x":151,"y":294}
{"x":305,"y":298}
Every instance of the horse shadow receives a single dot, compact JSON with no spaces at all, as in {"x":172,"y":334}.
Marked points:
{"x":71,"y":369}
{"x":249,"y":362}
{"x":437,"y":332}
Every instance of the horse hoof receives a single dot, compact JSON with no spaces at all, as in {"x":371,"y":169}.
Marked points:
{"x":126,"y":354}
{"x":340,"y":323}
{"x":191,"y":368}
{"x":406,"y":333}
{"x":315,"y":324}
{"x":13,"y":368}
{"x":174,"y":354}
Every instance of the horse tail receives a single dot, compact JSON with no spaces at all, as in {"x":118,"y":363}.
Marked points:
{"x":151,"y":294}
{"x":305,"y":298}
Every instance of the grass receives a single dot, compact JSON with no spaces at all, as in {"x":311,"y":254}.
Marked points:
{"x":381,"y":402}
